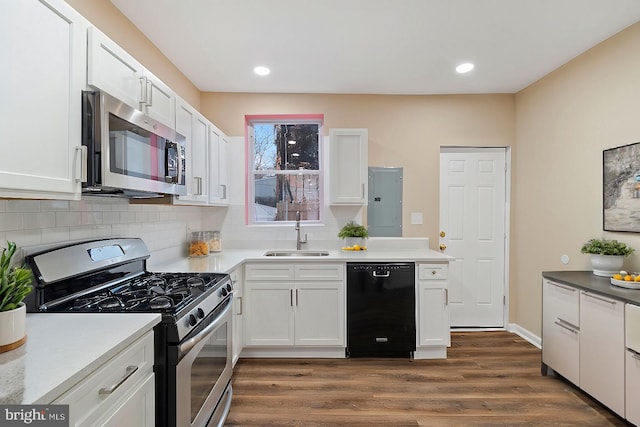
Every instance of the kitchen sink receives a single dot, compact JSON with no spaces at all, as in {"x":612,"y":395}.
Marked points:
{"x":296,"y":253}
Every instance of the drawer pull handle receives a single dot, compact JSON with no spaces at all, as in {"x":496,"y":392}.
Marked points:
{"x":566,"y":288}
{"x":108,"y":390}
{"x":586,"y":294}
{"x":565,"y":327}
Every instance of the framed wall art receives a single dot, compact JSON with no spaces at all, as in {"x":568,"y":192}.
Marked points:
{"x":621,"y":188}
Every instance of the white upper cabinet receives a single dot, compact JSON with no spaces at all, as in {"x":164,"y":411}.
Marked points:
{"x":218,"y":172}
{"x":194,"y":127}
{"x":348,"y":166}
{"x":43,"y":43}
{"x":113,"y":70}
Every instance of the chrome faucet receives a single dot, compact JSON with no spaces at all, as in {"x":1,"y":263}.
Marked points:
{"x":299,"y":242}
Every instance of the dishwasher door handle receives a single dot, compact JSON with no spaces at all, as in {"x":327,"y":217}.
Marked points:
{"x":375,"y":274}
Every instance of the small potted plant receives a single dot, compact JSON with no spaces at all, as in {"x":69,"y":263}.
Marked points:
{"x":354,"y":235}
{"x":15,"y":285}
{"x":607,"y":256}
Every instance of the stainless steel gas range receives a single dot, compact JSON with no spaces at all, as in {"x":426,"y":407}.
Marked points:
{"x":193,"y":349}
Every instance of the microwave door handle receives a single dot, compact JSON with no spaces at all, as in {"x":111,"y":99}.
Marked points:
{"x":167,"y":160}
{"x":181,"y":165}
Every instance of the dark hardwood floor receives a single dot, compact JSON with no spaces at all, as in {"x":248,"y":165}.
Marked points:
{"x":488,"y":379}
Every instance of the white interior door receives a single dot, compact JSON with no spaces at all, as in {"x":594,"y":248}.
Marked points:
{"x":472,"y":229}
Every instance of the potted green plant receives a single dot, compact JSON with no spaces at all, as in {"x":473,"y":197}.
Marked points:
{"x":354,"y":235}
{"x":15,"y":285}
{"x":607,"y":256}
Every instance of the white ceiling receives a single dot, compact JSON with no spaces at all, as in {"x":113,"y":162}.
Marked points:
{"x":374,"y":46}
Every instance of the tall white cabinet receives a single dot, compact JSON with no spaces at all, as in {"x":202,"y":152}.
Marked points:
{"x":348,"y":166}
{"x":40,"y":117}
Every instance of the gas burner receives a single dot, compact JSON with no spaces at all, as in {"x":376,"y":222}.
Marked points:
{"x":160,"y":302}
{"x":195,"y":281}
{"x":83,"y":303}
{"x":110,"y":303}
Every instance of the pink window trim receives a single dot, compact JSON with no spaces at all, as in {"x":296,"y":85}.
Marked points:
{"x":248,"y":119}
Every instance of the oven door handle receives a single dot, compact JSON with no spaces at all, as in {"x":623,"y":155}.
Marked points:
{"x":202,"y":335}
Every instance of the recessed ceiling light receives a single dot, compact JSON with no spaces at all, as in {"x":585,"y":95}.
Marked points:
{"x":464,"y":68}
{"x":292,"y":142}
{"x":295,"y":154}
{"x":261,"y":71}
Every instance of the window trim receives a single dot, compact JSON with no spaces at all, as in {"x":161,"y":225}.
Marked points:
{"x":249,"y":121}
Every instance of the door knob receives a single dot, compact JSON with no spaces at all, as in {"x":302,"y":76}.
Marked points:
{"x":443,"y":247}
{"x":442,"y":234}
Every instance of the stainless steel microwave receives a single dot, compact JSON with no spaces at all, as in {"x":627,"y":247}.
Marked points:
{"x":128,"y":153}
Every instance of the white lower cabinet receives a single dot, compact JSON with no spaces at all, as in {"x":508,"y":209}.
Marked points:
{"x":632,"y":386}
{"x":632,"y":363}
{"x":121,"y":392}
{"x":583,"y":339}
{"x":294,"y":305}
{"x":561,"y":329}
{"x":602,"y":349}
{"x":238,"y":313}
{"x":432,"y":310}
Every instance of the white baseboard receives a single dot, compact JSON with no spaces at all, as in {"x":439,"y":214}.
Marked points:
{"x":513,"y":327}
{"x":525,"y":334}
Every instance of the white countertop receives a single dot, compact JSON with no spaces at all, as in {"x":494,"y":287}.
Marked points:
{"x":62,"y":349}
{"x":229,"y":259}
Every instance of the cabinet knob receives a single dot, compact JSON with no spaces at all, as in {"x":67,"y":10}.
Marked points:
{"x":443,"y":247}
{"x":442,"y":234}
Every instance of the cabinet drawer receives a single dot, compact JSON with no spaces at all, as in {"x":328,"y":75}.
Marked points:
{"x":96,"y":395}
{"x":562,"y":302}
{"x":632,"y":324}
{"x":632,"y":384}
{"x":273,"y":272}
{"x":319,"y":272}
{"x":432,"y":271}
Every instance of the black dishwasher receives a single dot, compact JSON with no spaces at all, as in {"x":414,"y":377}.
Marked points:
{"x":381,"y":319}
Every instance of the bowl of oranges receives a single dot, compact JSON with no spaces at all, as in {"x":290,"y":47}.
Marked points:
{"x":626,"y":280}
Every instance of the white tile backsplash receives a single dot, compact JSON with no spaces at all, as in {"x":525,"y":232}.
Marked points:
{"x":163,"y":228}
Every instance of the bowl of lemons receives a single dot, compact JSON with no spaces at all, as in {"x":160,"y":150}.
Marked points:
{"x":627,"y":280}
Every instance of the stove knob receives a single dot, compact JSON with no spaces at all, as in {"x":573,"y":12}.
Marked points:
{"x":224,"y":292}
{"x":229,"y":287}
{"x":191,"y":320}
{"x":200,"y":313}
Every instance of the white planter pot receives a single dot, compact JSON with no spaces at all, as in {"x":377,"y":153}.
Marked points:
{"x":606,"y":265}
{"x":13,"y":325}
{"x":351,"y":241}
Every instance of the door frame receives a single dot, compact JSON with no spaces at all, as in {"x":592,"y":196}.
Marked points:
{"x":507,"y":229}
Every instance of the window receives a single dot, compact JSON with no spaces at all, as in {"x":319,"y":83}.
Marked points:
{"x":284,"y":169}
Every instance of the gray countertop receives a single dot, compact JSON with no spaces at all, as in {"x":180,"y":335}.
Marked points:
{"x":587,"y":281}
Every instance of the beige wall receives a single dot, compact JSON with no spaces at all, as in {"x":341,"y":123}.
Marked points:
{"x":563,"y":122}
{"x":561,"y":125}
{"x":404,"y":131}
{"x":106,"y":17}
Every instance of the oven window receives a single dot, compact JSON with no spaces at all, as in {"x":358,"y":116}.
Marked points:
{"x":207,"y":368}
{"x":136,"y":152}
